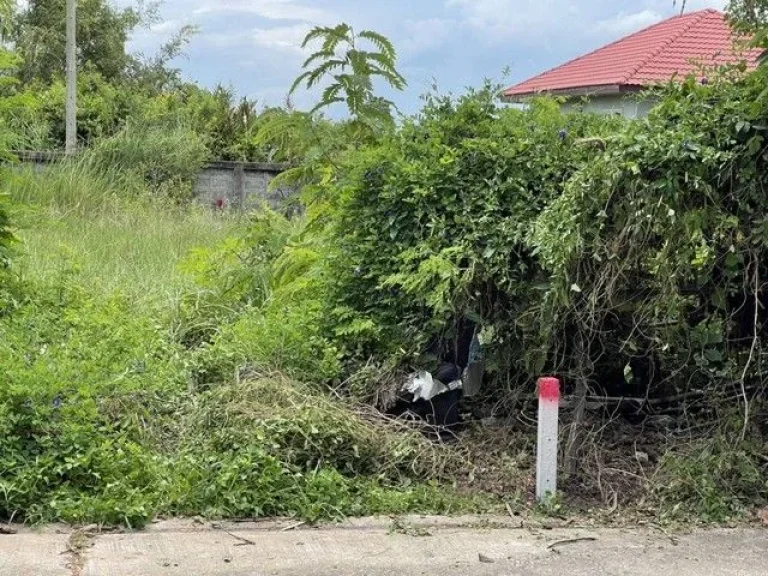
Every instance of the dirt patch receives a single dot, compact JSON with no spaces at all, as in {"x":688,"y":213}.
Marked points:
{"x":78,"y":543}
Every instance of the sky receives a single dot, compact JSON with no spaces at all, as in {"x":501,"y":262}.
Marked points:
{"x":254,"y":46}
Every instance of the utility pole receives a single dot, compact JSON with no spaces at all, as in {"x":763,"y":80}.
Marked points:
{"x":71,"y":145}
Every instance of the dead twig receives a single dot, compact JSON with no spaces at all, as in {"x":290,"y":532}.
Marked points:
{"x":241,"y":541}
{"x":751,"y":352}
{"x":293,"y":527}
{"x":555,"y":544}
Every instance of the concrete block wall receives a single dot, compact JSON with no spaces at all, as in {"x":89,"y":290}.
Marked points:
{"x":240,"y":185}
{"x":234,"y":185}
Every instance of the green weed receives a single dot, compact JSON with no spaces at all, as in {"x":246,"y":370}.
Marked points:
{"x":713,"y":480}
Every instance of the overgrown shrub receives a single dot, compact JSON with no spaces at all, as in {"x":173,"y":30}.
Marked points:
{"x":657,"y":249}
{"x":102,"y":108}
{"x":99,"y":423}
{"x":430,"y":226}
{"x":262,"y":303}
{"x":83,"y":378}
{"x":5,"y":234}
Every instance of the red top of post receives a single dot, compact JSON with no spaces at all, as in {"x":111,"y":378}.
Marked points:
{"x":549,"y":389}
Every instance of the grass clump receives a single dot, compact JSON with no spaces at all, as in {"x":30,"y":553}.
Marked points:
{"x":105,"y":228}
{"x":712,"y":480}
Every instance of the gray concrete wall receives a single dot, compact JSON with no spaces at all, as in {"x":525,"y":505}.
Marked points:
{"x":240,"y":185}
{"x":234,"y":185}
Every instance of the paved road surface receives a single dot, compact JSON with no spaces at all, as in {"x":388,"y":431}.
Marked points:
{"x":437,"y":547}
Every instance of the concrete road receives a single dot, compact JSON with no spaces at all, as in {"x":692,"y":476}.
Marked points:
{"x":416,"y":546}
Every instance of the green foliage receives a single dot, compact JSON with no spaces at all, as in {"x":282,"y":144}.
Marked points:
{"x":262,"y":305}
{"x":664,"y":236}
{"x":167,"y":155}
{"x":230,"y":127}
{"x":105,"y":416}
{"x":750,"y":17}
{"x":102,"y":108}
{"x":352,"y":71}
{"x":72,"y":365}
{"x":432,"y":223}
{"x":6,"y":14}
{"x":712,"y":481}
{"x":39,"y":34}
{"x":98,"y":425}
{"x":271,"y":447}
{"x":5,"y":234}
{"x":154,"y":75}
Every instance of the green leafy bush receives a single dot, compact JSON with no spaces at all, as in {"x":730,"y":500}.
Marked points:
{"x":657,"y":248}
{"x":5,"y":234}
{"x":431,"y":224}
{"x":102,"y":108}
{"x":262,"y":304}
{"x":82,"y":378}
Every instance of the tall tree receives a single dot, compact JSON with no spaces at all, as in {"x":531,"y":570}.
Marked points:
{"x":102,"y":31}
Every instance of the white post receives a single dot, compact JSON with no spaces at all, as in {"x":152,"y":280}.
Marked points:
{"x":71,"y":137}
{"x":546,"y":445}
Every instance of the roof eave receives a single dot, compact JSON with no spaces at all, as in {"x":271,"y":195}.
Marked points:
{"x":575,"y":92}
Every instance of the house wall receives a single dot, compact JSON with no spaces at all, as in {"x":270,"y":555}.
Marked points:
{"x":627,"y":105}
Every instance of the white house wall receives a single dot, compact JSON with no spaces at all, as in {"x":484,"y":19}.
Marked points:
{"x":628,"y":106}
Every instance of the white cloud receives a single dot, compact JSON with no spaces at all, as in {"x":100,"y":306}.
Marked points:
{"x":623,"y":23}
{"x":283,"y":38}
{"x":692,"y":5}
{"x":546,"y":22}
{"x":520,"y":20}
{"x":270,"y":9}
{"x":425,"y":35}
{"x":167,"y":26}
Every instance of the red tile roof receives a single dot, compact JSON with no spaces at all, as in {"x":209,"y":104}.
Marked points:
{"x":678,"y":47}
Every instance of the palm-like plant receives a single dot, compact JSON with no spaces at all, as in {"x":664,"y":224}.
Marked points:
{"x":351,"y":70}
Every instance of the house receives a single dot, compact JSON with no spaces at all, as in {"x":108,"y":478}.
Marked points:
{"x":611,"y":79}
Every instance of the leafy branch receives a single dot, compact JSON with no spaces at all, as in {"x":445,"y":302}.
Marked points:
{"x":350,"y":72}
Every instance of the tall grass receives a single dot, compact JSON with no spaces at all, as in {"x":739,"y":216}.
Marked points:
{"x":116,"y":369}
{"x":101,"y":223}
